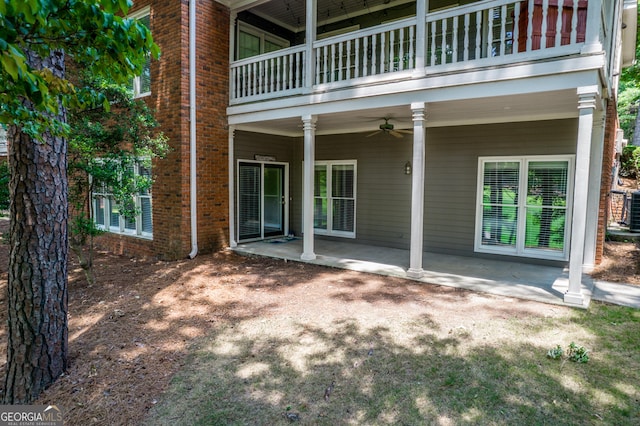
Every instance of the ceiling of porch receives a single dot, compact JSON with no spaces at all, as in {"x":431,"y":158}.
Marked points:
{"x":534,"y":106}
{"x":290,"y":14}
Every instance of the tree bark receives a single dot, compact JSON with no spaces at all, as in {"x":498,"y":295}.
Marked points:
{"x":37,"y":284}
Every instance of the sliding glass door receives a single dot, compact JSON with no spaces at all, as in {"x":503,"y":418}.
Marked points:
{"x":262,"y":200}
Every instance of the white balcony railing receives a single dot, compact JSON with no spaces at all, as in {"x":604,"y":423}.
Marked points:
{"x":279,"y":73}
{"x":491,"y":32}
{"x":378,"y":50}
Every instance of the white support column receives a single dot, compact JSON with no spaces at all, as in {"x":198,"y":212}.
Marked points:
{"x":310,"y":36}
{"x":586,"y":107}
{"x":309,"y":127}
{"x":421,"y":30}
{"x":417,"y":192}
{"x":232,"y":187}
{"x":593,"y":201}
{"x":592,"y":42}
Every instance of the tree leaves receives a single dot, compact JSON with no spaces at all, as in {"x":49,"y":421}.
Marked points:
{"x":92,"y":33}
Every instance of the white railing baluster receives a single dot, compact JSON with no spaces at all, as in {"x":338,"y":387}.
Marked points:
{"x":365,"y":57}
{"x":282,"y":72}
{"x":490,"y":34}
{"x":478,"y":35}
{"x":347,"y":74}
{"x":454,"y":43}
{"x":318,"y":65}
{"x":530,"y":27}
{"x":325,"y":53}
{"x":574,"y":23}
{"x":340,"y":62}
{"x":559,"y":24}
{"x":412,"y":55}
{"x":503,"y":30}
{"x":290,"y":69}
{"x":543,"y":35}
{"x":465,"y":51}
{"x":374,"y":49}
{"x":332,"y":63}
{"x":356,"y":70}
{"x":299,"y":69}
{"x":443,"y":46}
{"x":401,"y":65}
{"x":383,"y":53}
{"x":433,"y":43}
{"x":253,"y":79}
{"x":272,"y":75}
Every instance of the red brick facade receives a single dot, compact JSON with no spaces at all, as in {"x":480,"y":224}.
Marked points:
{"x":170,"y":99}
{"x":610,"y":127}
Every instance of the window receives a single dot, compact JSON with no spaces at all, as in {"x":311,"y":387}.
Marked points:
{"x":253,"y":41}
{"x":335,"y":198}
{"x":141,"y":84}
{"x":107,"y":213}
{"x":523,"y":206}
{"x":3,"y":140}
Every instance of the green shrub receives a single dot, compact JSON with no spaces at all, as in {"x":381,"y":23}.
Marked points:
{"x":630,"y":161}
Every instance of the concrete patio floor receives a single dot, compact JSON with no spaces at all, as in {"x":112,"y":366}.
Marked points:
{"x":520,"y":280}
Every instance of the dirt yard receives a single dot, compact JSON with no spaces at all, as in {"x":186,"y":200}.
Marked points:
{"x":131,"y":332}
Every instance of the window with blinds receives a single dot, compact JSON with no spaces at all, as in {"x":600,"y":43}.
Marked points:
{"x":108,"y":216}
{"x":141,"y":84}
{"x":522,"y":206}
{"x":335,"y":198}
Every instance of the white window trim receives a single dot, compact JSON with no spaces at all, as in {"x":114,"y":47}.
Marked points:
{"x":138,"y":14}
{"x":261,"y":34}
{"x":328,"y":231}
{"x":121,"y":228}
{"x":520,"y":249}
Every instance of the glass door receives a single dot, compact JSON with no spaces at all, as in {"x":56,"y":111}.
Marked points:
{"x":273,"y":196}
{"x":262,"y":200}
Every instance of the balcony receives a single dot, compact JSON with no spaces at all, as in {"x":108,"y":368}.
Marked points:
{"x":484,"y":34}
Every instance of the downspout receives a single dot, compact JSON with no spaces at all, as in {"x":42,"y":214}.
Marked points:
{"x":192,"y":129}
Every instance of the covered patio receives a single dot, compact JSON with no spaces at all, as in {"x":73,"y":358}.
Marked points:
{"x":512,"y":279}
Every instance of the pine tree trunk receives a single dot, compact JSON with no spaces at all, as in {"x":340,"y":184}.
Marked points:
{"x":37,"y":286}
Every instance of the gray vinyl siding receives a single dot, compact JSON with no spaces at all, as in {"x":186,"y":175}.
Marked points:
{"x":383,"y":201}
{"x":452,"y":169}
{"x":247,"y":145}
{"x":383,"y":193}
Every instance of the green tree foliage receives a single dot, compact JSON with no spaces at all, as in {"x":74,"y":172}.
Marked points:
{"x":104,"y":145}
{"x":37,"y":40}
{"x":629,"y":95}
{"x":90,"y":32}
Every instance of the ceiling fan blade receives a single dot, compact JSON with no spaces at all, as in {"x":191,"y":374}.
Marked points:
{"x":406,"y":132}
{"x":374,"y":133}
{"x":395,"y":134}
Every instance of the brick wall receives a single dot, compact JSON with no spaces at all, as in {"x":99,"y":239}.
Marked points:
{"x":610,"y":127}
{"x":170,"y":99}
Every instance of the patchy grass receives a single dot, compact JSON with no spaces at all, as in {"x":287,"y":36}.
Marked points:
{"x":403,"y":369}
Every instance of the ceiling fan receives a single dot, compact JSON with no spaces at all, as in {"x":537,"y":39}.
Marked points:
{"x":387,"y":127}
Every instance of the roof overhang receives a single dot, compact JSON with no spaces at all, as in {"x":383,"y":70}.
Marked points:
{"x":629,"y":32}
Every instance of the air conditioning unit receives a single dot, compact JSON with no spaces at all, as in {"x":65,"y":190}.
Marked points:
{"x":634,"y":212}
